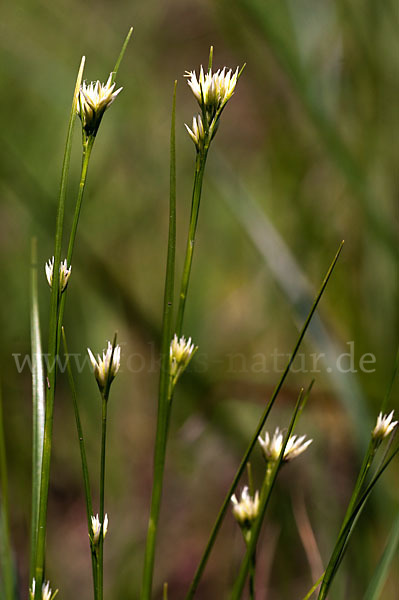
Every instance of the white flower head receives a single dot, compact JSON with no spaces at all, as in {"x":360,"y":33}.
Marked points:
{"x":64,"y":273}
{"x":32,"y":590}
{"x":272,"y":446}
{"x":212,"y":90}
{"x":106,"y":368}
{"x":384,"y":426}
{"x":96,"y":526}
{"x":47,"y":593}
{"x":180,"y":354}
{"x":196,"y":132}
{"x":246,"y":509}
{"x":92,"y":102}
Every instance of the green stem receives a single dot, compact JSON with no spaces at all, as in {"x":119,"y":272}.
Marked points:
{"x":242,"y":466}
{"x":100,"y":565}
{"x":5,"y":545}
{"x":87,"y":148}
{"x":52,"y":352}
{"x":85,"y":470}
{"x":252,"y":568}
{"x":164,"y":378}
{"x":195,"y":205}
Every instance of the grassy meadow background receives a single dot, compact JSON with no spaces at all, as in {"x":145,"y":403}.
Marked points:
{"x":304,"y":157}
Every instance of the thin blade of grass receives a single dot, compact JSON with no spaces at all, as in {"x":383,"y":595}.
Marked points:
{"x":85,"y":469}
{"x":380,"y":575}
{"x":38,"y":406}
{"x":121,"y":55}
{"x":262,"y":421}
{"x":6,"y":561}
{"x":343,"y":539}
{"x":256,"y":529}
{"x":163,"y":408}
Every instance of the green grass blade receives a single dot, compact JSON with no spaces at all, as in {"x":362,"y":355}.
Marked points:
{"x":53,"y":347}
{"x":121,"y":55}
{"x":262,"y":421}
{"x":6,"y":562}
{"x":38,"y":406}
{"x":85,"y":469}
{"x":163,"y":408}
{"x":346,"y":532}
{"x":380,"y":575}
{"x":390,"y":385}
{"x":256,"y":529}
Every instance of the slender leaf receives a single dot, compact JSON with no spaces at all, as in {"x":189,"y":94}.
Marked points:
{"x":380,"y":575}
{"x":38,"y":405}
{"x":121,"y":55}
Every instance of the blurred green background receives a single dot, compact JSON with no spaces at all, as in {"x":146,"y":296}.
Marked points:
{"x":304,"y":157}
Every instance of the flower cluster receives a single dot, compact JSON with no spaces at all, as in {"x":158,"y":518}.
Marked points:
{"x":272,"y":446}
{"x":246,"y":509}
{"x":64,"y":273}
{"x":212,"y":91}
{"x":106,"y":368}
{"x":180,"y":354}
{"x":47,"y":593}
{"x":92,"y":102}
{"x":383,"y":427}
{"x":96,"y":527}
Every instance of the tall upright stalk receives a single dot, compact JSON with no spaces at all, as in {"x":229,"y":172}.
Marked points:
{"x":195,"y":205}
{"x":100,"y":561}
{"x":85,"y":470}
{"x":163,"y":391}
{"x":52,"y":351}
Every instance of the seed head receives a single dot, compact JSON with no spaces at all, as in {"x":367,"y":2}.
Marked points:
{"x":246,"y":509}
{"x":272,"y":446}
{"x":104,"y":370}
{"x":64,"y":273}
{"x":96,"y":526}
{"x":181,"y":353}
{"x":212,"y":90}
{"x":383,"y":427}
{"x":92,"y":102}
{"x":47,"y":593}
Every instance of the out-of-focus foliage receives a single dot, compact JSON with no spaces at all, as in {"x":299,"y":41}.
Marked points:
{"x":309,"y":141}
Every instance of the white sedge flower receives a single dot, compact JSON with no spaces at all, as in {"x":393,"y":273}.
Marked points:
{"x":64,"y":273}
{"x":212,"y":90}
{"x":92,"y":102}
{"x":246,"y":509}
{"x":180,"y":354}
{"x":104,"y":370}
{"x":47,"y":593}
{"x":272,"y":446}
{"x":384,"y":426}
{"x":197,"y":131}
{"x":96,"y":526}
